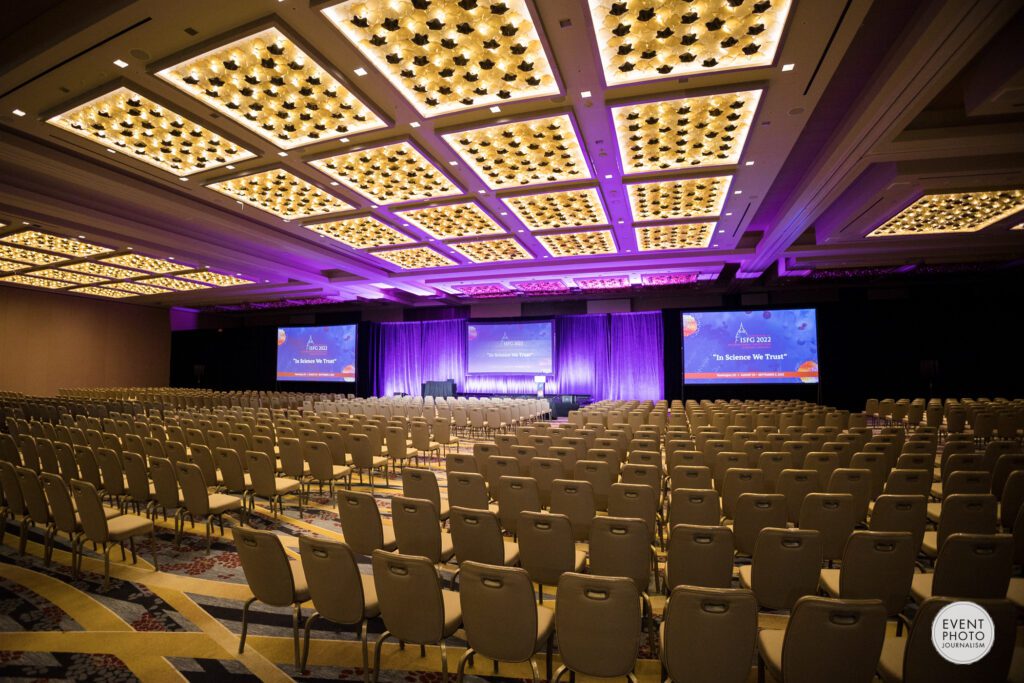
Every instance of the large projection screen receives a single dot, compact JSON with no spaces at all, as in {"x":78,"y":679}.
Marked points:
{"x":316,"y":354}
{"x":750,"y":347}
{"x":510,"y":348}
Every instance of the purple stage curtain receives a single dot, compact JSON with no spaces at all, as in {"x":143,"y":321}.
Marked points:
{"x":400,"y":359}
{"x":636,"y":362}
{"x":581,"y":354}
{"x":443,"y":351}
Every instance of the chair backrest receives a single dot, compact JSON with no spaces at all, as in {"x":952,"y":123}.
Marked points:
{"x":772,"y":463}
{"x":137,"y":475}
{"x":421,"y":483}
{"x":459,"y":462}
{"x":29,"y":453}
{"x":265,"y":565}
{"x":575,"y":499}
{"x":476,"y":535}
{"x":516,"y":495}
{"x":901,"y":513}
{"x":487,"y":591}
{"x":90,"y":510}
{"x":833,"y":640}
{"x":922,"y":662}
{"x":165,"y":482}
{"x":59,"y":499}
{"x":856,"y":482}
{"x":467,"y":489}
{"x":232,"y":471}
{"x":291,"y":457}
{"x":834,"y":516}
{"x":402,"y":581}
{"x":621,"y":546}
{"x":546,"y":546}
{"x":111,"y":471}
{"x":709,"y":635}
{"x":724,"y":461}
{"x":695,"y":506}
{"x":335,"y":584}
{"x":598,"y":624}
{"x":498,"y":466}
{"x":360,"y":521}
{"x":966,"y":513}
{"x":786,"y":566}
{"x":193,"y":488}
{"x":544,"y":471}
{"x":908,"y":482}
{"x":639,"y":501}
{"x":878,"y":565}
{"x":974,"y":566}
{"x":739,"y":481}
{"x":700,"y":556}
{"x":32,"y":493}
{"x":691,"y":477}
{"x":754,"y":512}
{"x":601,"y":476}
{"x":417,"y":527}
{"x":877,"y":465}
{"x":1012,"y":499}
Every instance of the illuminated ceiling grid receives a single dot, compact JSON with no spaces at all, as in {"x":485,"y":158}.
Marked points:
{"x":578,"y":243}
{"x":692,"y":198}
{"x":136,"y":288}
{"x":68,"y":276}
{"x":957,"y":212}
{"x":102,"y":291}
{"x":540,"y":150}
{"x":30,"y":281}
{"x":281,"y":193}
{"x":703,"y":131}
{"x":490,"y":251}
{"x":54,"y":243}
{"x":174,"y":283}
{"x":216,"y":279}
{"x":450,"y":55}
{"x":11,"y":266}
{"x":27,"y":256}
{"x":125,"y":121}
{"x":103,"y":270}
{"x":389,"y":174}
{"x":415,"y":257}
{"x":452,"y":221}
{"x":552,"y":210}
{"x":652,"y":39}
{"x":361,"y":233}
{"x":146,"y":263}
{"x":272,"y":87}
{"x":684,"y":236}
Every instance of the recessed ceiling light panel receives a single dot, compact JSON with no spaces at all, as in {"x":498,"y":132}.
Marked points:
{"x":54,"y":243}
{"x":362,"y":233}
{"x":690,"y":132}
{"x":174,"y":283}
{"x":102,"y":270}
{"x":102,"y":291}
{"x":30,"y":281}
{"x":136,"y":288}
{"x":541,"y":150}
{"x":450,"y":55}
{"x":282,"y":194}
{"x":146,"y":263}
{"x":684,"y":236}
{"x":415,"y":257}
{"x":691,"y":198}
{"x":36,"y":258}
{"x":551,"y":210}
{"x":579,"y":243}
{"x":490,"y":251}
{"x":956,"y":212}
{"x":216,"y":279}
{"x":68,"y":276}
{"x":452,"y":221}
{"x":389,"y":174}
{"x":268,"y":84}
{"x":641,"y":41}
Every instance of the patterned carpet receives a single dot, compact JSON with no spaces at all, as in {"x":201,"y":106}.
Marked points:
{"x":183,"y":622}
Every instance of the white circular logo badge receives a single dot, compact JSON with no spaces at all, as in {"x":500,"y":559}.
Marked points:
{"x":962,"y":632}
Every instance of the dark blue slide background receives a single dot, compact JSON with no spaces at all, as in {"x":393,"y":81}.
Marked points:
{"x":510,"y":348}
{"x":316,"y":354}
{"x":766,"y":347}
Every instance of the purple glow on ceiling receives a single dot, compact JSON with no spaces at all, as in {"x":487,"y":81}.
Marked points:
{"x":541,"y":286}
{"x":663,"y":279}
{"x":614,"y":282}
{"x":484,"y":289}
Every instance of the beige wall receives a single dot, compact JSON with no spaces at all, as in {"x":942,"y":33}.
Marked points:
{"x":50,"y":341}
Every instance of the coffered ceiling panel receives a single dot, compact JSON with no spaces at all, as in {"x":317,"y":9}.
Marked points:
{"x":450,"y":55}
{"x":691,"y":198}
{"x":578,"y":243}
{"x":414,"y":258}
{"x":957,"y":212}
{"x":684,"y":236}
{"x":362,"y":233}
{"x":281,"y":193}
{"x":146,"y":263}
{"x":489,"y":251}
{"x":269,"y":84}
{"x":30,"y":281}
{"x":452,"y":220}
{"x":551,"y":210}
{"x":54,"y":243}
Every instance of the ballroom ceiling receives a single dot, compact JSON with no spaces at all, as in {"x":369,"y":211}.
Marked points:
{"x":201,"y":154}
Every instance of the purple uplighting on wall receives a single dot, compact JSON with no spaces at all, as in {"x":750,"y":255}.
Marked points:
{"x":605,"y":356}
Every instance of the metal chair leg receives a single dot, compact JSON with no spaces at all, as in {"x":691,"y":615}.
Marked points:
{"x":376,"y":654}
{"x":444,"y":663}
{"x":305,"y":641}
{"x":245,"y":623}
{"x":366,"y":654}
{"x":296,"y":618}
{"x":460,"y":671}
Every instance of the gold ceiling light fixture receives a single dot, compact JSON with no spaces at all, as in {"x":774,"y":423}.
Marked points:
{"x":681,"y":236}
{"x":491,"y":251}
{"x":103,"y":270}
{"x":36,"y":258}
{"x":365,"y":232}
{"x":126,"y":121}
{"x":552,"y":210}
{"x":136,"y":288}
{"x":216,"y":279}
{"x":11,"y":266}
{"x":589,"y":243}
{"x":101,"y":291}
{"x":174,"y":283}
{"x":281,"y":193}
{"x":268,"y":84}
{"x":653,"y":39}
{"x":415,"y":257}
{"x":450,"y":55}
{"x":30,"y":281}
{"x":690,"y":198}
{"x":702,"y":131}
{"x":71,"y":277}
{"x":145,"y":263}
{"x":54,"y":243}
{"x":452,"y":221}
{"x":543,"y":150}
{"x":389,"y":174}
{"x":952,"y":213}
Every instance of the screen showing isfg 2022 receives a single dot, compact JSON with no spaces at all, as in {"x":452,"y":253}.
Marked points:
{"x":316,"y":354}
{"x":509,"y":348}
{"x":750,"y":347}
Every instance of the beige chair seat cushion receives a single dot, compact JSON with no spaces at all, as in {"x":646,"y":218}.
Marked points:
{"x":380,"y":461}
{"x":1015,"y":593}
{"x":371,"y":608}
{"x":930,"y":545}
{"x":769,"y":644}
{"x":390,"y":543}
{"x":222,"y":502}
{"x":511,"y":553}
{"x":340,"y":471}
{"x":934,"y":511}
{"x":545,"y":624}
{"x":284,"y":485}
{"x":299,"y":579}
{"x":746,"y":571}
{"x":452,"y":612}
{"x":890,"y":663}
{"x":123,"y":526}
{"x":447,"y":547}
{"x":829,"y":582}
{"x":921,"y":587}
{"x":110,"y":512}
